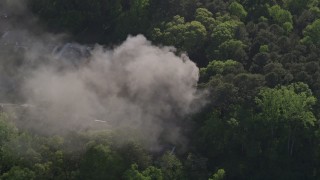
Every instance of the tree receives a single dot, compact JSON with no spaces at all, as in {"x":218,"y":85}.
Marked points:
{"x":225,"y":31}
{"x":233,"y":49}
{"x":18,"y":173}
{"x":134,"y":153}
{"x":219,"y":175}
{"x":100,"y":162}
{"x":172,"y":32}
{"x":195,"y":36}
{"x":205,"y":17}
{"x":248,"y":86}
{"x":217,"y":67}
{"x":287,"y":105}
{"x":236,"y":9}
{"x":281,"y":16}
{"x":264,"y":48}
{"x":196,"y":167}
{"x":151,"y":173}
{"x":7,"y":130}
{"x":187,"y":36}
{"x":8,"y":134}
{"x":275,"y":74}
{"x":312,"y":33}
{"x":297,"y":6}
{"x":171,"y":167}
{"x":259,"y":61}
{"x":134,"y":18}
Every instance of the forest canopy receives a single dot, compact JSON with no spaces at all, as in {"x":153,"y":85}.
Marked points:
{"x":253,"y":114}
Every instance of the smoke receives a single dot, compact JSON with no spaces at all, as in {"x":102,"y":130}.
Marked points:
{"x":135,"y":88}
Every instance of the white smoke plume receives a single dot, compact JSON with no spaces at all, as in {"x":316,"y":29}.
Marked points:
{"x":136,"y":87}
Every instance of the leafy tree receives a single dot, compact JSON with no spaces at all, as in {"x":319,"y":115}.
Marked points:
{"x":287,"y":26}
{"x":43,"y":170}
{"x":18,"y":173}
{"x":134,"y":19}
{"x":171,"y":166}
{"x":217,"y":67}
{"x":187,"y":36}
{"x":248,"y":85}
{"x":219,"y":175}
{"x":205,"y":17}
{"x":312,"y":33}
{"x":134,"y":153}
{"x":237,"y":9}
{"x":225,"y":31}
{"x":21,"y":149}
{"x":7,"y":130}
{"x":259,"y":61}
{"x":100,"y":162}
{"x":151,"y":173}
{"x":289,"y":105}
{"x":223,"y":95}
{"x":233,"y":49}
{"x":275,"y":74}
{"x":172,"y":33}
{"x":254,"y":123}
{"x":8,"y":133}
{"x":297,"y":6}
{"x":264,"y":48}
{"x":196,"y":167}
{"x":194,"y":36}
{"x":281,"y":16}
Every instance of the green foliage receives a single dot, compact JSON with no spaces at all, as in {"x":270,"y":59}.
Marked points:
{"x":134,"y":153}
{"x":18,"y":173}
{"x":281,"y":16}
{"x":100,"y":162}
{"x":291,"y":104}
{"x":134,"y":174}
{"x":135,"y":20}
{"x":219,"y":175}
{"x":7,"y":129}
{"x":205,"y":17}
{"x":151,"y":173}
{"x":171,"y":166}
{"x":237,"y":9}
{"x":288,"y":27}
{"x":217,"y":67}
{"x":8,"y":133}
{"x":315,"y":11}
{"x":194,"y":36}
{"x":264,"y":48}
{"x":187,"y":36}
{"x":225,"y":31}
{"x":248,"y":85}
{"x":263,"y":19}
{"x":43,"y":170}
{"x":253,"y":122}
{"x":312,"y":33}
{"x":297,"y":6}
{"x":233,"y":49}
{"x":276,"y":74}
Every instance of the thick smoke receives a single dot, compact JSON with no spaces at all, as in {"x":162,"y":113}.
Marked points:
{"x":136,"y":87}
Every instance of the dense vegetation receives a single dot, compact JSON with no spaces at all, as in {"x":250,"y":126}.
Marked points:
{"x":259,"y":61}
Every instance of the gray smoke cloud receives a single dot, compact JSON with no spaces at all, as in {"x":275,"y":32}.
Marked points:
{"x":137,"y":89}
